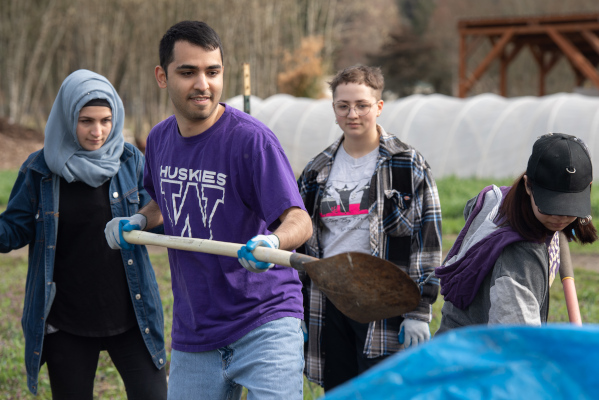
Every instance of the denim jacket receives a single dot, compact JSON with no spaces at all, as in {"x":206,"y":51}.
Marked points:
{"x":31,"y":218}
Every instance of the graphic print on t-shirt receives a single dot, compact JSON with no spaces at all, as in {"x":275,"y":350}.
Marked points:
{"x":339,"y":199}
{"x":188,"y":189}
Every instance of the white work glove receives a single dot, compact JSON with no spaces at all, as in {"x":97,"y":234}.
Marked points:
{"x":116,"y":226}
{"x":247,"y":259}
{"x":413,"y":332}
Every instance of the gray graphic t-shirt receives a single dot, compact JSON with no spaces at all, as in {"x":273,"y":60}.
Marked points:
{"x":344,"y":206}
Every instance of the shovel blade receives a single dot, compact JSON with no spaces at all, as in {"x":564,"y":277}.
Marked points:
{"x":363,"y":287}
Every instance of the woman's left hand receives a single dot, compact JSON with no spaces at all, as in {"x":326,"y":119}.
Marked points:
{"x":413,"y":332}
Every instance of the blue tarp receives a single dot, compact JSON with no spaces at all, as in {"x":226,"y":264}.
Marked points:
{"x":555,"y":361}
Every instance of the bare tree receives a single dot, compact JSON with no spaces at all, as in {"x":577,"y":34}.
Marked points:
{"x":42,"y":41}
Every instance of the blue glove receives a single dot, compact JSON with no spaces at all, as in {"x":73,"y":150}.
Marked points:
{"x":247,"y":259}
{"x":116,"y":226}
{"x":413,"y":332}
{"x":305,"y":330}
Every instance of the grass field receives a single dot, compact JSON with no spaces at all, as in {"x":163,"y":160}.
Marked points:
{"x":453,"y":193}
{"x":7,"y":180}
{"x":108,"y":382}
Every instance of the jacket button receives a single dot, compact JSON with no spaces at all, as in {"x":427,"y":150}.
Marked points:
{"x":130,"y":262}
{"x":147,"y":330}
{"x":37,"y":215}
{"x":161,"y":361}
{"x":137,"y":296}
{"x":115,"y":195}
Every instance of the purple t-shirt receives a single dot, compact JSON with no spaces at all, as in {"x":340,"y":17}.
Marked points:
{"x":229,"y":183}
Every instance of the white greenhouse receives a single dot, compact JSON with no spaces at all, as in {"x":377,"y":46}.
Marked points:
{"x":483,"y":136}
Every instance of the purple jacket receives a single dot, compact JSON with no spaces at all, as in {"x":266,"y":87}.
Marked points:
{"x":465,"y":269}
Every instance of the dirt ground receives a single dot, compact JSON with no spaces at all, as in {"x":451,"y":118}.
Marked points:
{"x":586,"y":261}
{"x":16,"y":143}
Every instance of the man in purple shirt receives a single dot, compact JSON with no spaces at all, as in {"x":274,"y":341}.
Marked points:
{"x":216,"y":173}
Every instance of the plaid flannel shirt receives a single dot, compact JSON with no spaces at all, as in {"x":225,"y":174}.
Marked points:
{"x":405,"y":228}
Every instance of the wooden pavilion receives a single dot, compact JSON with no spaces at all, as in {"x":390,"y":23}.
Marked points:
{"x":548,"y":38}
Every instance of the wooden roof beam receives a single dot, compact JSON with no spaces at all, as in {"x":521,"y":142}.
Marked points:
{"x":531,"y":29}
{"x":507,"y":56}
{"x":591,"y":38}
{"x":495,"y":52}
{"x":577,"y":59}
{"x":528,"y":20}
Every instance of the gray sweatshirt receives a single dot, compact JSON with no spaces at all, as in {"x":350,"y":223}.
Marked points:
{"x":516,"y":291}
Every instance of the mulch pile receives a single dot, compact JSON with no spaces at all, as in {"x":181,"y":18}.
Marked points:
{"x":16,"y":143}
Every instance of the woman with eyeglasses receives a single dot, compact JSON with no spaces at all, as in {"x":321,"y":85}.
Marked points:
{"x":371,"y":193}
{"x":506,"y":257}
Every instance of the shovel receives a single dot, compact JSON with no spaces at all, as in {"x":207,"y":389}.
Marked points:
{"x":566,"y":272}
{"x":361,"y":286}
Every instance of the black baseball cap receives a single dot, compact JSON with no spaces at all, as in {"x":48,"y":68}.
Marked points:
{"x":561,"y":172}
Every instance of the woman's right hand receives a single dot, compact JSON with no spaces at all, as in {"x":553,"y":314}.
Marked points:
{"x":116,"y":226}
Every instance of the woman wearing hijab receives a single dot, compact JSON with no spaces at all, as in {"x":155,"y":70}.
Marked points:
{"x":82,"y":297}
{"x":506,"y":257}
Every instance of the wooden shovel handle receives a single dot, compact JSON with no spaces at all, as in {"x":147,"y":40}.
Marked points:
{"x":567,"y":271}
{"x":572,"y":302}
{"x":265,"y":254}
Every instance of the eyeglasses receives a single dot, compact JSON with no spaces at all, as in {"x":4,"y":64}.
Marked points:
{"x":343,"y":110}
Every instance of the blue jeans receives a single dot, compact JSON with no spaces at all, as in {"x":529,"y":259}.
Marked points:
{"x":268,"y":361}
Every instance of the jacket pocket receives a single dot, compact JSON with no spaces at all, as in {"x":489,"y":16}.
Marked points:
{"x":132,"y":200}
{"x":398,"y":214}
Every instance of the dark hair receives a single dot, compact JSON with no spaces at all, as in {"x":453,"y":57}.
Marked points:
{"x":194,"y":32}
{"x":516,"y":211}
{"x":98,"y":102}
{"x":362,"y":75}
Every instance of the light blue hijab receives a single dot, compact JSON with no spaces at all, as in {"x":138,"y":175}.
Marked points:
{"x":62,"y":151}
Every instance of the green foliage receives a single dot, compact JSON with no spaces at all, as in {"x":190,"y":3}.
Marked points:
{"x":584,"y":249}
{"x":7,"y":180}
{"x":455,"y":192}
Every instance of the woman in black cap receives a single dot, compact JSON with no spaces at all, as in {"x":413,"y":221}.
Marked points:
{"x":505,"y":258}
{"x":82,"y":297}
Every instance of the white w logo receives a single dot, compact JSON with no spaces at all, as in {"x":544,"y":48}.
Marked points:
{"x":180,"y":204}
